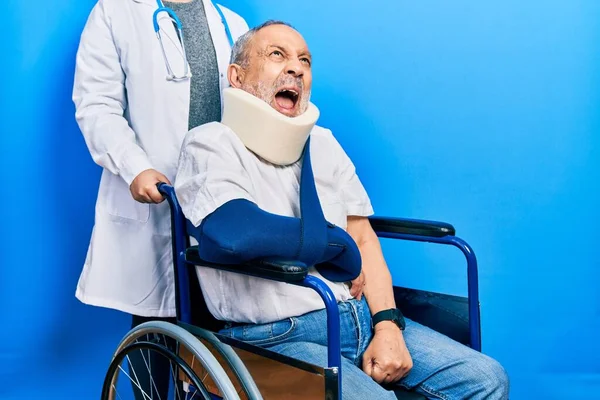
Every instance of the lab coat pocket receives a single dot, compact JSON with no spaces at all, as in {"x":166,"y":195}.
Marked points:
{"x":120,"y":203}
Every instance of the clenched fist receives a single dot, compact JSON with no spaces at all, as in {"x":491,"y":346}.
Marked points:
{"x":387,"y":359}
{"x":143,"y":188}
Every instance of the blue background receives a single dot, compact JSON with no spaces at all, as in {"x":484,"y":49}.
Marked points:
{"x":482,"y":114}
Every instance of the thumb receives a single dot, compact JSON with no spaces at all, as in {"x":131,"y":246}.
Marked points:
{"x":353,"y":289}
{"x":360,"y":293}
{"x":367,"y":363}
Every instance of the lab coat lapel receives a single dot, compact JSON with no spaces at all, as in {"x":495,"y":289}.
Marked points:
{"x":220,"y":41}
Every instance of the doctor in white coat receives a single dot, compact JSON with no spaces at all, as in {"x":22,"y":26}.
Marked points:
{"x":136,"y":97}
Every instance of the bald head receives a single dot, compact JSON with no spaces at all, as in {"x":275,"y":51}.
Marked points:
{"x":273,"y":62}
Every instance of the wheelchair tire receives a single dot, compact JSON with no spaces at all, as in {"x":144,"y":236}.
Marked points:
{"x":135,"y":340}
{"x":235,"y":363}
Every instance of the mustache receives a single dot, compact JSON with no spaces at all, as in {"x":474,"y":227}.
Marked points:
{"x":288,"y":80}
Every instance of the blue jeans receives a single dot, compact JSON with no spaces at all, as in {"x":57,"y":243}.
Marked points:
{"x":442,"y":368}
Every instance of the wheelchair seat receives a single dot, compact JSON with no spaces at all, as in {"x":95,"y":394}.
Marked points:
{"x":445,"y":313}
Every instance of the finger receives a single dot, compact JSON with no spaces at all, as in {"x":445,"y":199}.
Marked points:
{"x":140,"y":197}
{"x":147,"y":198}
{"x":378,"y":375}
{"x":395,"y":377}
{"x":154,"y":195}
{"x":135,"y":195}
{"x":367,"y":365}
{"x":377,"y":372}
{"x":388,"y":372}
{"x":388,"y":379}
{"x":356,"y":291}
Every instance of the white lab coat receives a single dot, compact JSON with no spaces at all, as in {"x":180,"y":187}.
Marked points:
{"x":133,"y":119}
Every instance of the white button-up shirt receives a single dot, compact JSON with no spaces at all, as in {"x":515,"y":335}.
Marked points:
{"x":215,"y":167}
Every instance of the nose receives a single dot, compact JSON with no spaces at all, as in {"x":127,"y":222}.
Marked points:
{"x":294,"y":68}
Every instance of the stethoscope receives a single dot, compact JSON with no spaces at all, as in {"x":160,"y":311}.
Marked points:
{"x":186,"y":73}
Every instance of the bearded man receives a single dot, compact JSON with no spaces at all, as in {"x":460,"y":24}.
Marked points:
{"x":254,"y":184}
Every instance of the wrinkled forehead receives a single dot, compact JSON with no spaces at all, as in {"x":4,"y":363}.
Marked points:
{"x":280,"y":36}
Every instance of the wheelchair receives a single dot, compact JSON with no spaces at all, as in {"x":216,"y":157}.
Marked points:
{"x":206,"y":365}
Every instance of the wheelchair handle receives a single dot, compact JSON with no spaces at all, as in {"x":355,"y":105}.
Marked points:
{"x":163,"y":187}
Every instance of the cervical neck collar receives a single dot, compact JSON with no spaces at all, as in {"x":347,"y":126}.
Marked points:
{"x":277,"y":138}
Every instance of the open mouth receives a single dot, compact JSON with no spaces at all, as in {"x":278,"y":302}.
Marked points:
{"x":287,"y":99}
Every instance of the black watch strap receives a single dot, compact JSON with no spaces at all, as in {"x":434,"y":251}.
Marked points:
{"x":393,"y":314}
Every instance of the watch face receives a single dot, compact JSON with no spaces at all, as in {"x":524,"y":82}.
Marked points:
{"x":399,"y":319}
{"x":393,"y":315}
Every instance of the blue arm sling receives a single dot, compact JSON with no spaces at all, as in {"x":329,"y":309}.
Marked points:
{"x":239,"y":231}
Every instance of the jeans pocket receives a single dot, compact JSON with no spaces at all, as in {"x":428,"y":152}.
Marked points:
{"x":265,"y":335}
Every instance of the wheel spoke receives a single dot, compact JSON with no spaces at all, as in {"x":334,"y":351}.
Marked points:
{"x":136,"y":382}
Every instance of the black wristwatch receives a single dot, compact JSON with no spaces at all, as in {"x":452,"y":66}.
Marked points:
{"x":393,"y":314}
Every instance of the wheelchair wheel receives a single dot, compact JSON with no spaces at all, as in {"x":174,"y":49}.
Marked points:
{"x":157,"y":340}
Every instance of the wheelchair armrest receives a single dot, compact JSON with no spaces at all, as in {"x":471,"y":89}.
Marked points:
{"x":412,"y":226}
{"x":268,"y":268}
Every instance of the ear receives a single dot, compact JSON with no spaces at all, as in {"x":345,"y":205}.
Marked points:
{"x":235,"y":75}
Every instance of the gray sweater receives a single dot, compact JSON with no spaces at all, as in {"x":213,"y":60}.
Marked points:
{"x":205,"y":100}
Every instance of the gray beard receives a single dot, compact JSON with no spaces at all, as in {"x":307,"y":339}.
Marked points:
{"x":267,"y":93}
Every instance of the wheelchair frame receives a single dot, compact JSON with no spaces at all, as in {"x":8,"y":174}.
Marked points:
{"x":296,"y":273}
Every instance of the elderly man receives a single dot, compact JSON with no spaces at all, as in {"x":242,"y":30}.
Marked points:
{"x":246,"y":185}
